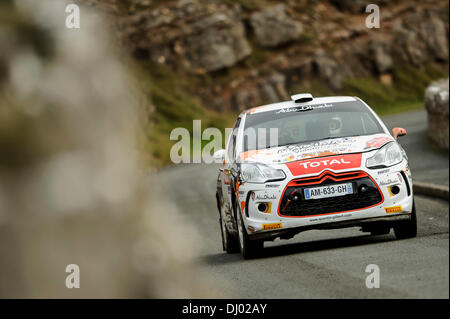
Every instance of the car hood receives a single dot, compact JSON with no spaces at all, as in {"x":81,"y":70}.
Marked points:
{"x":328,"y":147}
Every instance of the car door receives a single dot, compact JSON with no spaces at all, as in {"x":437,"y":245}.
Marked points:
{"x":226,"y":176}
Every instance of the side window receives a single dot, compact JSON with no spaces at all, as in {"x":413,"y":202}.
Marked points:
{"x":231,"y":148}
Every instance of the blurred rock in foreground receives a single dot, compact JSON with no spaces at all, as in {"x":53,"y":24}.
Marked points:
{"x":437,"y":105}
{"x":70,"y":188}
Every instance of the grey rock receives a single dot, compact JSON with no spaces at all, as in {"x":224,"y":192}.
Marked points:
{"x":381,"y":53}
{"x":272,"y":26}
{"x":328,"y":71}
{"x":437,"y":105}
{"x":246,"y":98}
{"x":435,"y":36}
{"x":215,"y":48}
{"x":420,"y":37}
{"x":278,"y":81}
{"x":409,"y":48}
{"x":269,"y":92}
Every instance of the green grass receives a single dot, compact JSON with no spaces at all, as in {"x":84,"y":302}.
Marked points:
{"x":175,"y":107}
{"x":406,"y":92}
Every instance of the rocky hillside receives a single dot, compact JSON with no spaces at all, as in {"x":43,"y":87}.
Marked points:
{"x":222,"y":56}
{"x":249,"y":52}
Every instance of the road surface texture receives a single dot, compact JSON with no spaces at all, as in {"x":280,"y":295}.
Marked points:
{"x":428,"y":163}
{"x":327,"y":263}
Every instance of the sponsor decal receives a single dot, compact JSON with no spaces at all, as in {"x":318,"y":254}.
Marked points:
{"x":304,"y":108}
{"x":266,"y":197}
{"x":339,"y":162}
{"x":272,"y":185}
{"x":377,"y":142}
{"x":394,"y":209}
{"x":391,"y":179}
{"x":383,"y":171}
{"x":336,"y":145}
{"x":251,"y":154}
{"x":242,"y":206}
{"x":388,"y":182}
{"x":271,"y":226}
{"x":315,"y":149}
{"x":330,"y":217}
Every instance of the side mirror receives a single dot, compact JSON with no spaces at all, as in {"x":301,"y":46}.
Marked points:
{"x":398,"y":131}
{"x":219,"y":155}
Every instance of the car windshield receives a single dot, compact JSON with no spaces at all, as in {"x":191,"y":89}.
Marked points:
{"x":308,"y":123}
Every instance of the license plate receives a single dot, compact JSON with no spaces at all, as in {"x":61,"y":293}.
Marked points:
{"x":328,"y":191}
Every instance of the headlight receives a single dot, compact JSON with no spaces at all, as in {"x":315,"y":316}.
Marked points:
{"x":388,"y":155}
{"x":403,"y":152}
{"x":259,"y":173}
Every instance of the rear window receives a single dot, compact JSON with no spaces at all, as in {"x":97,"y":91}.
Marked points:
{"x":309,"y":123}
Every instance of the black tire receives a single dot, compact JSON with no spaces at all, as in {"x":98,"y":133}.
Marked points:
{"x":407,"y":229}
{"x":229,"y":242}
{"x":249,"y":248}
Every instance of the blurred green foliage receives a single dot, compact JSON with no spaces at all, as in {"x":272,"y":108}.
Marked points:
{"x":174,"y":107}
{"x":406,"y":91}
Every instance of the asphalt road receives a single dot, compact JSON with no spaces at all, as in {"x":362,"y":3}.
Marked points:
{"x":428,"y":163}
{"x":331,"y":263}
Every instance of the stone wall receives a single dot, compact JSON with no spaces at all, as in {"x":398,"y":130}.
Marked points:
{"x":437,"y":105}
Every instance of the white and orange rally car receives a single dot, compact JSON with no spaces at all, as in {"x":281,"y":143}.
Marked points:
{"x":330,"y":163}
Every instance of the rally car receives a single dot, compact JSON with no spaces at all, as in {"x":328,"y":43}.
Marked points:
{"x":312,"y":163}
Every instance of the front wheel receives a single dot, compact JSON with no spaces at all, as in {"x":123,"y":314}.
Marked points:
{"x":249,"y":248}
{"x":229,"y":243}
{"x":407,"y":229}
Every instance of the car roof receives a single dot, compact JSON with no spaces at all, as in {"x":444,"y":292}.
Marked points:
{"x":289,"y":104}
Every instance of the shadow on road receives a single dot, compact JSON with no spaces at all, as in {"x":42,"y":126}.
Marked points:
{"x":324,"y":244}
{"x":296,"y":248}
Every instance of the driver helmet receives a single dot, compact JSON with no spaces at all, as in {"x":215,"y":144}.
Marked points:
{"x":335,"y":125}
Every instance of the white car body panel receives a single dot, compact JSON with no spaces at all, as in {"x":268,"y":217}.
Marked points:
{"x":311,"y":159}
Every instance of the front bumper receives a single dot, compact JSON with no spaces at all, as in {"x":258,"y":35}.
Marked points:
{"x":289,"y":232}
{"x":273,"y":223}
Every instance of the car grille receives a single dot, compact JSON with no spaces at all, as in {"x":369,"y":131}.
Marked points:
{"x":293,"y":203}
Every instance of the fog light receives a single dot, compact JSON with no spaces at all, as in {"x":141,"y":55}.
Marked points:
{"x":395,"y":190}
{"x":262,"y":207}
